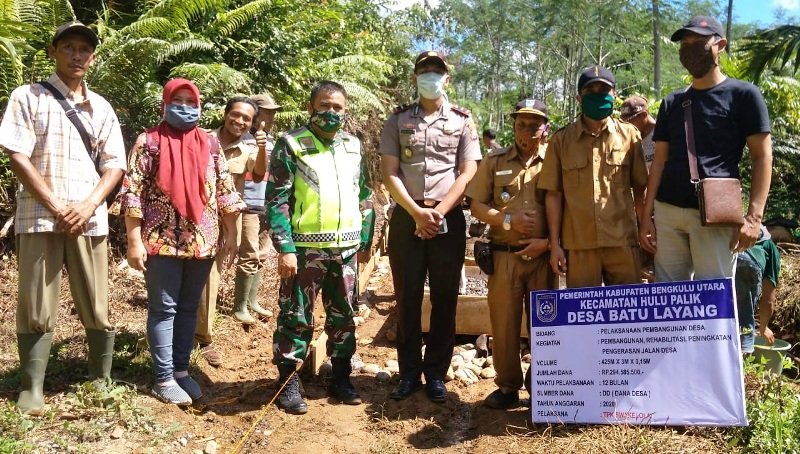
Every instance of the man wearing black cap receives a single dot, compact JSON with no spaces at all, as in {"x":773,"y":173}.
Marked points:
{"x":504,"y":195}
{"x":726,"y":115}
{"x":589,"y":170}
{"x":428,"y":153}
{"x":61,"y":218}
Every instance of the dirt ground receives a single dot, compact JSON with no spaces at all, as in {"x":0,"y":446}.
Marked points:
{"x":235,"y":415}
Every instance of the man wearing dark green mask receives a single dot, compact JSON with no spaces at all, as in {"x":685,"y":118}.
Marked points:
{"x":320,"y":213}
{"x":589,"y":170}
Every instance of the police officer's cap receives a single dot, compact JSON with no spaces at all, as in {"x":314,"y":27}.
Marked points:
{"x":76,"y":28}
{"x":430,"y":56}
{"x":596,"y":73}
{"x":531,"y":106}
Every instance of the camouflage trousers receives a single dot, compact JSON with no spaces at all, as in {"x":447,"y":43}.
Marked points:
{"x":334,"y":272}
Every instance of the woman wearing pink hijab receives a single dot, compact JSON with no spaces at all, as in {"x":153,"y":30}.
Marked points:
{"x":177,"y":187}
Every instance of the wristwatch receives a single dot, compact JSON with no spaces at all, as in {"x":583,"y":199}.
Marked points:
{"x":507,"y":222}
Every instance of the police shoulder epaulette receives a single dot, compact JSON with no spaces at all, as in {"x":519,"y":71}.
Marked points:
{"x":498,"y":151}
{"x":460,"y":110}
{"x":402,"y":108}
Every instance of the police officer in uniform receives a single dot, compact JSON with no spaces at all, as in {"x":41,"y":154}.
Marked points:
{"x":594,"y":173}
{"x":319,"y":209}
{"x":428,"y":153}
{"x":504,"y":195}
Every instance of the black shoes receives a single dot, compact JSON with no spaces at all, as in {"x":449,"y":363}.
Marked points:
{"x":341,"y":388}
{"x":436,"y":391}
{"x":405,"y":388}
{"x":502,"y":401}
{"x":290,"y":399}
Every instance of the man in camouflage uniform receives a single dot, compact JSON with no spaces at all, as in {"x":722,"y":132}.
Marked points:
{"x":318,"y":204}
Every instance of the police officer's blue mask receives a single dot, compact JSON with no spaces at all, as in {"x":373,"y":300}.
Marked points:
{"x":431,"y":85}
{"x":181,"y":117}
{"x":597,"y":106}
{"x":328,"y":121}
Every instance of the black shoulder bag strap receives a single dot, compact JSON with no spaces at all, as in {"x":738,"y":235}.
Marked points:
{"x":72,"y":114}
{"x":688,"y":127}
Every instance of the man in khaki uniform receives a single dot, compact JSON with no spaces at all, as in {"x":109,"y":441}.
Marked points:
{"x":504,"y":195}
{"x":240,"y":150}
{"x":590,"y":168}
{"x":428,"y":153}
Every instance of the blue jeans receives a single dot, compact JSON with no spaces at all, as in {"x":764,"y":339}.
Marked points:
{"x":173,"y":294}
{"x":748,"y":289}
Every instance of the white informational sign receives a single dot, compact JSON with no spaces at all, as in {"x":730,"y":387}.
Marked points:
{"x":660,"y":354}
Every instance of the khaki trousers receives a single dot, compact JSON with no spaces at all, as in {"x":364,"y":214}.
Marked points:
{"x":40,"y":258}
{"x":253,"y":244}
{"x":509,"y":294}
{"x":207,"y":310}
{"x":609,"y":265}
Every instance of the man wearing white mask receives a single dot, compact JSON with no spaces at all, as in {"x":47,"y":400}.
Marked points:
{"x":429,"y":151}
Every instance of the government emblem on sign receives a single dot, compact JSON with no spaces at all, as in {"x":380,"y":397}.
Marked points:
{"x":546,"y":307}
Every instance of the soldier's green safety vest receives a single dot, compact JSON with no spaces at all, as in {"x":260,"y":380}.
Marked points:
{"x":326,"y":210}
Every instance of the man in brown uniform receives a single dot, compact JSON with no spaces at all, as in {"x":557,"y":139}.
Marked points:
{"x":504,"y":195}
{"x":591,"y":166}
{"x":428,"y":153}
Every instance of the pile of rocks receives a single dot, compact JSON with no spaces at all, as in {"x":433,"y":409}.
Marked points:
{"x":468,"y":366}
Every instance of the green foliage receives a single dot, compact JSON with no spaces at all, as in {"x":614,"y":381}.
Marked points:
{"x":773,"y":48}
{"x":774,"y":415}
{"x":13,"y":429}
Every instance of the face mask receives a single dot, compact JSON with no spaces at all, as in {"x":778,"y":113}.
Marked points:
{"x":328,"y":121}
{"x":181,"y":117}
{"x":597,"y":105}
{"x":697,"y":59}
{"x":431,"y":85}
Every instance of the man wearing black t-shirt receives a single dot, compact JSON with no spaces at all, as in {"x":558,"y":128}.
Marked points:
{"x":727,"y":115}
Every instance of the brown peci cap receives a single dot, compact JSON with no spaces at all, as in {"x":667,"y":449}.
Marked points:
{"x":632,"y":107}
{"x":531,"y":106}
{"x":430,"y":56}
{"x":265,"y":101}
{"x":76,"y":28}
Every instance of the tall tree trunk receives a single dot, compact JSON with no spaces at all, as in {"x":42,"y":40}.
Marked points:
{"x":728,"y":26}
{"x":656,"y":53}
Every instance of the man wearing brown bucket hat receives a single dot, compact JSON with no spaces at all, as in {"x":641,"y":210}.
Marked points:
{"x":634,"y":111}
{"x":428,"y":153}
{"x":504,"y":195}
{"x":725,"y":114}
{"x":65,"y":175}
{"x":594,"y":174}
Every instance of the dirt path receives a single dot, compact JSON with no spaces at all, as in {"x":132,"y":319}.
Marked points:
{"x":233,"y":414}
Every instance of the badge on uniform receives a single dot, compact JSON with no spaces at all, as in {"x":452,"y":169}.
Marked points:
{"x":447,"y":129}
{"x":306,"y":142}
{"x":409,"y":126}
{"x":407,"y":152}
{"x":503,"y":172}
{"x":505,"y":196}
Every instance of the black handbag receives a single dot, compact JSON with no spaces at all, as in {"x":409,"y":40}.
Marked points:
{"x":483,"y":256}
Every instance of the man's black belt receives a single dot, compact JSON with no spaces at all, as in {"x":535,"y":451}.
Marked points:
{"x":505,"y":247}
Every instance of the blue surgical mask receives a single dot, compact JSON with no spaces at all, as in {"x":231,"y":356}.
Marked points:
{"x":181,"y":117}
{"x":431,"y":85}
{"x":597,"y":106}
{"x":328,"y":121}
